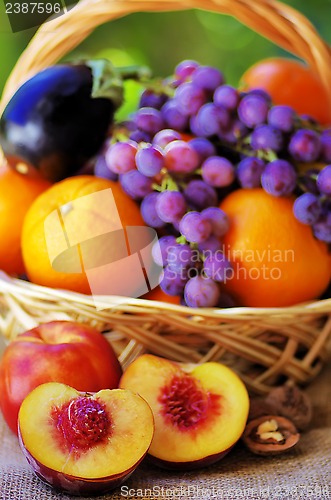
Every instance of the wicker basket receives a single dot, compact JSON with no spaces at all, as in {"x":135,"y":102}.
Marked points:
{"x":266,"y":346}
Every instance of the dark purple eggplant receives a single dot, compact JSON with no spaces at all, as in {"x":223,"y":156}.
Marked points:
{"x":60,"y":118}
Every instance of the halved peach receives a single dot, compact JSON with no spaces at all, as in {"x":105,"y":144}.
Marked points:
{"x":200,"y":411}
{"x":84,"y":443}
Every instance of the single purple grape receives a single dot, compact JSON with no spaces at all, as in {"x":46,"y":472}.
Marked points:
{"x":173,"y":117}
{"x":149,"y":161}
{"x":236,"y":131}
{"x":218,"y":171}
{"x":161,"y":248}
{"x":322,"y":228}
{"x":227,"y":97}
{"x":281,"y":117}
{"x":307,"y":208}
{"x":253,"y":110}
{"x":224,"y":118}
{"x":148,"y":211}
{"x":173,"y":282}
{"x":279,"y":178}
{"x":189,"y":98}
{"x":326,"y":145}
{"x":140,"y":136}
{"x":200,"y":195}
{"x":205,"y":122}
{"x":149,"y":120}
{"x":217,"y":267}
{"x":194,"y":227}
{"x":120,"y":157}
{"x":305,"y":145}
{"x":165,"y":136}
{"x":180,"y":157}
{"x":101,"y":169}
{"x":261,"y":93}
{"x":207,"y":78}
{"x":324,"y":180}
{"x":211,"y":120}
{"x":151,"y":99}
{"x":201,"y":292}
{"x":195,"y":128}
{"x":170,"y":206}
{"x":218,"y":219}
{"x":180,"y":257}
{"x":135,"y":184}
{"x":249,"y":171}
{"x":185,"y":69}
{"x":212,"y":244}
{"x":267,"y":137}
{"x":203,"y":147}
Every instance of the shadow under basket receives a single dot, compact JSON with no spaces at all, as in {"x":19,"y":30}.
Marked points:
{"x":265,"y":346}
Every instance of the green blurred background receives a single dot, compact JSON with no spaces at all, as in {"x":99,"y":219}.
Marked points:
{"x":161,"y":40}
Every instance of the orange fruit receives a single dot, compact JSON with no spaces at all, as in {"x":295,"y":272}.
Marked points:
{"x":70,"y":246}
{"x":276,"y":260}
{"x":158,"y":294}
{"x":292,"y":83}
{"x":17,"y":192}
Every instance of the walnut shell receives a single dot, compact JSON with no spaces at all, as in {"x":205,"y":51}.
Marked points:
{"x":293,"y":403}
{"x":259,"y":407}
{"x":286,"y":436}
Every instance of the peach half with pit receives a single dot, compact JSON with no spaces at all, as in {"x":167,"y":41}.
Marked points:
{"x":200,"y":411}
{"x":84,"y":443}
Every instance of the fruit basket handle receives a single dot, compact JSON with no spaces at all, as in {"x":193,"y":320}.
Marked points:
{"x":278,"y":22}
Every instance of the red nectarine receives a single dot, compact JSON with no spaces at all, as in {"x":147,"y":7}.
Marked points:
{"x":60,"y":351}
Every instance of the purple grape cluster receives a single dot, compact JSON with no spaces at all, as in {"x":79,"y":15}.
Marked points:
{"x":193,"y":140}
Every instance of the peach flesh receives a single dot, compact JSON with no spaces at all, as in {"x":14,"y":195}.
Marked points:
{"x":185,"y":405}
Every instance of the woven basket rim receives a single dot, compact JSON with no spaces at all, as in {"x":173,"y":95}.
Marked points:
{"x":281,"y":344}
{"x":25,"y":288}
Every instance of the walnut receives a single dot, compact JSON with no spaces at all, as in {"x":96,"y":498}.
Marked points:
{"x":270,"y":435}
{"x":259,"y":407}
{"x":292,"y":403}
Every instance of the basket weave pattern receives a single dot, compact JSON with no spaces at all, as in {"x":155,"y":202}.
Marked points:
{"x":266,"y":346}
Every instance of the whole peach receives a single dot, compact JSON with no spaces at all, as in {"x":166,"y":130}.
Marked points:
{"x":59,"y":351}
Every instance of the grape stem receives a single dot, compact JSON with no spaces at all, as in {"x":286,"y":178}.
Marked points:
{"x":167,"y":184}
{"x":243,"y":147}
{"x":135,"y":72}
